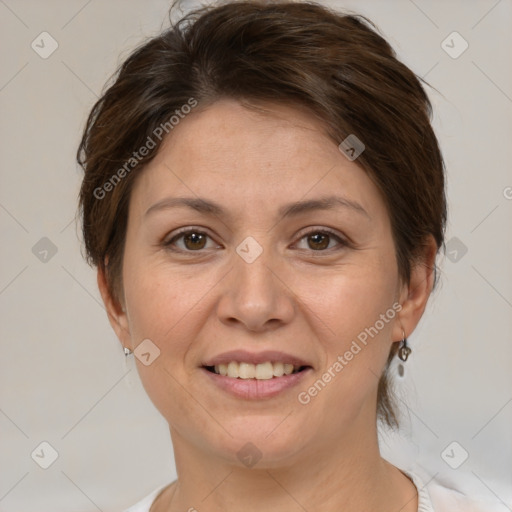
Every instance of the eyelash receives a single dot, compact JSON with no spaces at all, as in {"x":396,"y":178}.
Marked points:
{"x":324,"y":231}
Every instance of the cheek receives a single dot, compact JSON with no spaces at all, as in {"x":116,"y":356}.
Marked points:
{"x":163,"y":303}
{"x":160,"y":297}
{"x":351,"y":300}
{"x":354,"y":314}
{"x":160,"y":301}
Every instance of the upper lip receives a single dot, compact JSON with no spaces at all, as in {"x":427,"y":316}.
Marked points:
{"x":243,"y":356}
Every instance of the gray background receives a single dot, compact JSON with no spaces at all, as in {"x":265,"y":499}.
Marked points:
{"x":63,"y":377}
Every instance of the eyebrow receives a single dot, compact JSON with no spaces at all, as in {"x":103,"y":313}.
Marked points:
{"x":207,"y":207}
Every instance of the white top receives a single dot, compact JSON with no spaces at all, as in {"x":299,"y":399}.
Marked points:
{"x":436,"y":499}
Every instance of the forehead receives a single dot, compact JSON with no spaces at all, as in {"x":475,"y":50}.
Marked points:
{"x":256,"y":156}
{"x":264,"y":137}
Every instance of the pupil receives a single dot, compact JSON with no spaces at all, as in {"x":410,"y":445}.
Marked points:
{"x":324,"y":237}
{"x":194,"y":238}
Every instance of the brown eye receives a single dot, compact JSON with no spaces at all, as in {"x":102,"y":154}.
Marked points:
{"x":320,"y":240}
{"x":193,"y":241}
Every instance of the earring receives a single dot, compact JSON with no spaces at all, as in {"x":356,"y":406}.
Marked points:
{"x":404,"y":350}
{"x":128,"y":367}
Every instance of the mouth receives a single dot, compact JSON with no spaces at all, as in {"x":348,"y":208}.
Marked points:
{"x":261,"y":371}
{"x":255,"y":376}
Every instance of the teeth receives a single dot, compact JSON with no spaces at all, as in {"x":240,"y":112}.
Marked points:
{"x":288,"y":368}
{"x":278,"y":369}
{"x":248,"y":371}
{"x":262,"y":371}
{"x":233,"y":370}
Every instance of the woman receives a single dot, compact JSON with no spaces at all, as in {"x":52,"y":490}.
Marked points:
{"x":264,"y":201}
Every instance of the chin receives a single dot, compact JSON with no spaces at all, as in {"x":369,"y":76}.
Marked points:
{"x":261,"y":442}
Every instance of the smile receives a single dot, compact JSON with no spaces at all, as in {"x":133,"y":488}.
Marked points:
{"x":261,"y":371}
{"x":260,"y":375}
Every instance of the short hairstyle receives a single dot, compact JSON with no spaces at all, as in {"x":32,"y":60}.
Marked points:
{"x":296,"y":53}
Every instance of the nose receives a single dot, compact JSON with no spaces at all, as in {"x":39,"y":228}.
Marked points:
{"x":255,"y":294}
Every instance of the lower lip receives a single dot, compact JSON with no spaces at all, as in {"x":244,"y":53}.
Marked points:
{"x":253,"y":389}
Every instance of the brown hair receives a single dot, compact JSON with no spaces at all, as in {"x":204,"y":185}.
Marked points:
{"x":301,"y":53}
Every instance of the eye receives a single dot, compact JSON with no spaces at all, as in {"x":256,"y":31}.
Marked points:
{"x":193,"y":239}
{"x":319,"y":240}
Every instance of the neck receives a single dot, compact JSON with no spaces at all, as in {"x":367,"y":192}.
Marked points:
{"x":347,"y":474}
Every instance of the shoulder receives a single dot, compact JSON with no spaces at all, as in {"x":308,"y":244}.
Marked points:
{"x":436,"y":496}
{"x":145,"y":503}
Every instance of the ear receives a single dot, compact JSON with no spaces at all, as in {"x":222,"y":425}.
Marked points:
{"x":115,"y":311}
{"x":414,"y":296}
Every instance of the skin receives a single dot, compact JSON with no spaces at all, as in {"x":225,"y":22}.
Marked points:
{"x":294,"y":297}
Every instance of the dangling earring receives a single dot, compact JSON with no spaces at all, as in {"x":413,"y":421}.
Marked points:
{"x":128,"y":367}
{"x":404,"y":350}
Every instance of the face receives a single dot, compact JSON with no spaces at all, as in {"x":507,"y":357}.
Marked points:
{"x":265,"y":275}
